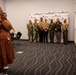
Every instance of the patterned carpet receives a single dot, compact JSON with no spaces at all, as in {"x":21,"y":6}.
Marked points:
{"x":43,"y":59}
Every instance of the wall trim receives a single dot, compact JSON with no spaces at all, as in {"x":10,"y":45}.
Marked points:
{"x":27,"y":40}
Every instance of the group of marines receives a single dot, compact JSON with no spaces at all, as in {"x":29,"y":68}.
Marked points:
{"x":42,"y":29}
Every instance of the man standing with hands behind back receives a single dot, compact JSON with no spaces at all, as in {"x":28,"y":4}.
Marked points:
{"x":51,"y":30}
{"x":65,"y":31}
{"x":58,"y":25}
{"x":30,"y":31}
{"x":35,"y":31}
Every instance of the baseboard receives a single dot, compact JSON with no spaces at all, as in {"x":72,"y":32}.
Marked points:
{"x":71,"y":41}
{"x":21,"y":39}
{"x":27,"y":40}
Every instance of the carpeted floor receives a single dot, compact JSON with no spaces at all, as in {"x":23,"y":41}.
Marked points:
{"x":43,"y":59}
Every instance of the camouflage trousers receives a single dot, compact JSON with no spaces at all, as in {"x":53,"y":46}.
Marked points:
{"x":65,"y":37}
{"x":30,"y":37}
{"x":58,"y":37}
{"x":35,"y":37}
{"x":51,"y":36}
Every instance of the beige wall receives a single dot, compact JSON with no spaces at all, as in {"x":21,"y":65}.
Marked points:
{"x":75,"y":36}
{"x":18,"y":12}
{"x":3,"y":5}
{"x":75,"y":28}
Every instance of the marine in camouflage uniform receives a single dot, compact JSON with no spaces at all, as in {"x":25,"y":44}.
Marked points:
{"x":58,"y":25}
{"x":51,"y":30}
{"x":65,"y":32}
{"x":30,"y":31}
{"x":35,"y":31}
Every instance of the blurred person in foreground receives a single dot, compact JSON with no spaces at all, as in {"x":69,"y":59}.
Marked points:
{"x":6,"y":48}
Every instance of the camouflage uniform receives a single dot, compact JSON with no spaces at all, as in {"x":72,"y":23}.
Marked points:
{"x":65,"y":33}
{"x":30,"y":31}
{"x":58,"y":31}
{"x":51,"y":31}
{"x":35,"y":32}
